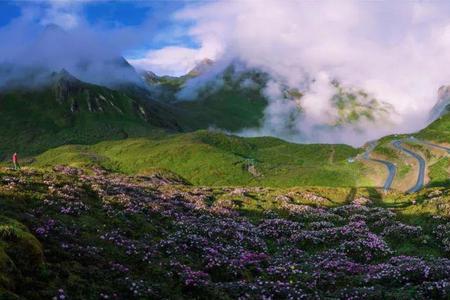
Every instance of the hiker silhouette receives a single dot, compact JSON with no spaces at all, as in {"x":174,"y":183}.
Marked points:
{"x":15,"y":160}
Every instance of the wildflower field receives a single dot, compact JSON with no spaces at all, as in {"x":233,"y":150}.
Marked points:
{"x":88,"y":234}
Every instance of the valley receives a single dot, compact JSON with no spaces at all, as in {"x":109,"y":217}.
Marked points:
{"x":132,"y":129}
{"x":224,"y":150}
{"x":118,"y":198}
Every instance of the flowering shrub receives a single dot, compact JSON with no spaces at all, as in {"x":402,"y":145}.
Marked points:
{"x":401,"y":231}
{"x":46,"y":227}
{"x":436,"y":289}
{"x":442,"y":233}
{"x":108,"y":236}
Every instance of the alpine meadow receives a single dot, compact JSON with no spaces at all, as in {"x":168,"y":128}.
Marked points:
{"x":215,"y":149}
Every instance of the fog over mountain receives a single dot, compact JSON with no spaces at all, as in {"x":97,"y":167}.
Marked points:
{"x":396,"y":52}
{"x":41,"y":41}
{"x":391,"y":53}
{"x":81,"y":53}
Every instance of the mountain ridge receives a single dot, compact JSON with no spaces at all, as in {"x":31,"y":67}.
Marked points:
{"x":60,"y":110}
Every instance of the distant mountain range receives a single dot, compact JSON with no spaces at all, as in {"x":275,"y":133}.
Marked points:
{"x":86,"y":100}
{"x":237,"y":90}
{"x":55,"y":49}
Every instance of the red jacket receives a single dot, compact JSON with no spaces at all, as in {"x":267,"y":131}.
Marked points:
{"x":14,"y":157}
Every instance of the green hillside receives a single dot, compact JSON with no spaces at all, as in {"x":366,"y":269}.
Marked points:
{"x":68,"y":111}
{"x":437,"y":160}
{"x":438,"y":131}
{"x":127,"y":130}
{"x":231,"y":100}
{"x":206,"y":158}
{"x":235,"y":98}
{"x":230,"y":110}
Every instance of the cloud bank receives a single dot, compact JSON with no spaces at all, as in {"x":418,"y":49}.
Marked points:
{"x":396,"y":51}
{"x":50,"y":36}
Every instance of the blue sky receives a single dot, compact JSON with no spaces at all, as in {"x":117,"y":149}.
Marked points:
{"x":8,"y":11}
{"x":137,"y":30}
{"x":111,"y":13}
{"x":148,"y":16}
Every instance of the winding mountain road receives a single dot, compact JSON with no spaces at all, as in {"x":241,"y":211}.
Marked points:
{"x":430,"y":144}
{"x":421,"y":176}
{"x":392,"y":169}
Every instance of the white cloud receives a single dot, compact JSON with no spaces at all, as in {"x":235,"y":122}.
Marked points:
{"x":396,"y":51}
{"x":173,"y":60}
{"x":64,"y":13}
{"x":65,"y":20}
{"x":90,"y":52}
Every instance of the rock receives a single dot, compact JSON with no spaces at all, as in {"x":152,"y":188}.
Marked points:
{"x":283,"y":199}
{"x":434,"y":194}
{"x":313,"y":197}
{"x":241,"y":192}
{"x":67,"y":170}
{"x":298,"y":208}
{"x":362,"y":201}
{"x":252,"y":170}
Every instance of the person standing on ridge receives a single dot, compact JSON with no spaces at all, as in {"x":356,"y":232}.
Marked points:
{"x":15,"y":160}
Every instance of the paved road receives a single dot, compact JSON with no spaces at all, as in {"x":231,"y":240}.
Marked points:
{"x":430,"y":144}
{"x":390,"y":166}
{"x":421,"y":176}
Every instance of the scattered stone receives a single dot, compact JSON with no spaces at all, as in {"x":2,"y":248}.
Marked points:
{"x":313,"y":197}
{"x":241,"y":192}
{"x":283,"y":199}
{"x":67,"y":170}
{"x":362,"y":201}
{"x":252,"y":170}
{"x":434,"y":194}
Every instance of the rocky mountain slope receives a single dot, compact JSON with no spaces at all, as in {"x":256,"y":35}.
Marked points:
{"x":65,"y":110}
{"x":54,"y":49}
{"x":442,"y":105}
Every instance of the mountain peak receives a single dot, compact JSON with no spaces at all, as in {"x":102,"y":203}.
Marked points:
{"x":150,"y":77}
{"x":201,"y":67}
{"x":442,"y":105}
{"x":51,"y":31}
{"x":64,"y":76}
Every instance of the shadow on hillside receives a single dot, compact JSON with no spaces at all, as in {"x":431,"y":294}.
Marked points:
{"x":441,"y":183}
{"x":351,"y":195}
{"x":374,"y":195}
{"x":391,"y":199}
